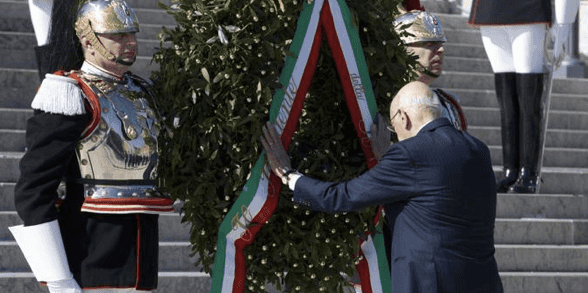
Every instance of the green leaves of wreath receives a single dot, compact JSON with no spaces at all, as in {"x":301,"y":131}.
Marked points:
{"x":219,"y":70}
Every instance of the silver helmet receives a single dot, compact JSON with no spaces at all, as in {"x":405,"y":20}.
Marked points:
{"x":424,"y":27}
{"x":105,"y":17}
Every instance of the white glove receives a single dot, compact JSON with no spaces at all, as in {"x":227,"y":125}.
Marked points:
{"x":559,"y":34}
{"x":64,"y":286}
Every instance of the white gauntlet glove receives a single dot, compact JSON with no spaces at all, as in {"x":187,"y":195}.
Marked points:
{"x":42,"y":247}
{"x":64,"y":286}
{"x":560,"y":33}
{"x":565,"y":15}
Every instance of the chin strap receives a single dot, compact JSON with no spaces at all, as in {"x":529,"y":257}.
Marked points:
{"x":85,"y":29}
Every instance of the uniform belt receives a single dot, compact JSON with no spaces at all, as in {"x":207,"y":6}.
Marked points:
{"x":111,"y":182}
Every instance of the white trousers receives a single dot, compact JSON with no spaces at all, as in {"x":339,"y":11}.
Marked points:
{"x":41,"y":19}
{"x":515,"y":48}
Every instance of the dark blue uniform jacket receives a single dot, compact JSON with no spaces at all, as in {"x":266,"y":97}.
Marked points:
{"x":439,"y":192}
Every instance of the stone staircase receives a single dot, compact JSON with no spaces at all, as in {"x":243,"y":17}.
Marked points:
{"x":18,"y":82}
{"x":541,"y":239}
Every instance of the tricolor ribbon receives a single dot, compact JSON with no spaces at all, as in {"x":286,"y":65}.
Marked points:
{"x":330,"y":19}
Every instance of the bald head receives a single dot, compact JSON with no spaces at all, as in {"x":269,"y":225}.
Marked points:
{"x":415,"y":105}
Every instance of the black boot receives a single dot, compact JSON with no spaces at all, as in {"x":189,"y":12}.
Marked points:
{"x":43,"y":55}
{"x":530,"y":89}
{"x":506,"y":94}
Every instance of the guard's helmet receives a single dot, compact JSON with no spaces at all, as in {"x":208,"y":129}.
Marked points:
{"x":105,"y":17}
{"x":424,"y":27}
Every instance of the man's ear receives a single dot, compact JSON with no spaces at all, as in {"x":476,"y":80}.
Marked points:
{"x":86,"y":44}
{"x":406,"y":121}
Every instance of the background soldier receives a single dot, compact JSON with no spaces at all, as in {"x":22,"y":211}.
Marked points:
{"x":426,"y":42}
{"x":514,"y":34}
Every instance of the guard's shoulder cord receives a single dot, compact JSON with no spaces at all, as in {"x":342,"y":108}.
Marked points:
{"x":91,"y":101}
{"x":453,"y":102}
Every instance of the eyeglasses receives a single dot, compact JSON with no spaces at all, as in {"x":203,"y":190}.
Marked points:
{"x":392,"y":119}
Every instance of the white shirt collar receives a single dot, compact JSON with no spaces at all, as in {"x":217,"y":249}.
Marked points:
{"x":95,"y":70}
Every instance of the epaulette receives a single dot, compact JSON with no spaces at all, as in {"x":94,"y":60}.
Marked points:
{"x":146,"y":85}
{"x":450,"y":94}
{"x":59,"y":95}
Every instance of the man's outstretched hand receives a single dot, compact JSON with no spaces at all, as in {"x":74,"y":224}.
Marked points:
{"x":278,"y":158}
{"x":380,"y":136}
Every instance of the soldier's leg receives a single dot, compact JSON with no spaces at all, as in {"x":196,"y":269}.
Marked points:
{"x":498,"y":46}
{"x":528,"y":50}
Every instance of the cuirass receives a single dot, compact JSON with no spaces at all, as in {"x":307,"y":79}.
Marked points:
{"x":118,"y":158}
{"x":124,"y":144}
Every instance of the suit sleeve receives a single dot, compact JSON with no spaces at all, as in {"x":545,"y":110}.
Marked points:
{"x":51,"y":141}
{"x":392,"y":180}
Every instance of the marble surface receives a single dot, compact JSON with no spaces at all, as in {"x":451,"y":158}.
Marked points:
{"x":172,"y":258}
{"x":542,"y":206}
{"x":6,"y":197}
{"x":542,"y":258}
{"x":544,"y":282}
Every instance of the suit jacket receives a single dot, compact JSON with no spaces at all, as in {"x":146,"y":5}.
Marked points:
{"x":506,"y":12}
{"x":439,"y":192}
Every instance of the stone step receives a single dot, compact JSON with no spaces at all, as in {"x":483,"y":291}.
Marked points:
{"x":541,"y":206}
{"x":15,"y":119}
{"x":559,"y":180}
{"x":451,"y":21}
{"x":7,"y":196}
{"x":465,"y":50}
{"x":167,"y":282}
{"x":487,"y":98}
{"x":9,"y":162}
{"x":542,"y":258}
{"x":557,"y":119}
{"x":12,"y":140}
{"x":466,"y":64}
{"x":15,"y":15}
{"x":464,"y":36}
{"x":485,"y":81}
{"x":143,"y":67}
{"x":542,"y":282}
{"x":541,"y":231}
{"x":171,"y":227}
{"x":556,"y":138}
{"x":553,"y":157}
{"x":445,"y":7}
{"x":173,"y":257}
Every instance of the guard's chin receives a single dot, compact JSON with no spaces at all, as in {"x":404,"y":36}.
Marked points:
{"x":433,"y":74}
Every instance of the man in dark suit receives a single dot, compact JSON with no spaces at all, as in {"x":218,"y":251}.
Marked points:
{"x":438,"y":189}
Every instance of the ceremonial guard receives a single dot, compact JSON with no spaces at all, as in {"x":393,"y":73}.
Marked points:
{"x":514,"y":37}
{"x":425,"y":40}
{"x":87,"y":192}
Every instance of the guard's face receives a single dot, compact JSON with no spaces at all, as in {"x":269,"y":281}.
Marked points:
{"x":430,"y":56}
{"x":122,"y":45}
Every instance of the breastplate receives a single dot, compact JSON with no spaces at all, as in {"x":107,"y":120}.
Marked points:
{"x":118,"y":159}
{"x":124,"y":144}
